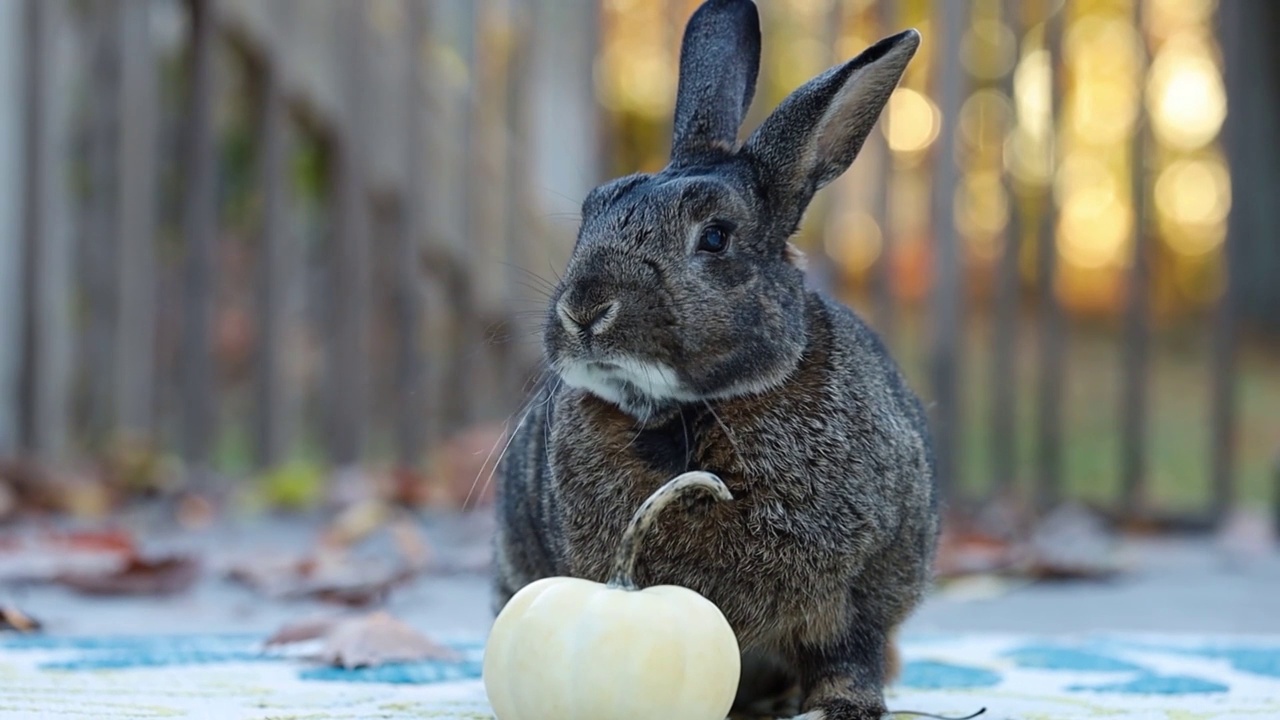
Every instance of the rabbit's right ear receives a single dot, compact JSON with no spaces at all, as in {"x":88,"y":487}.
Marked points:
{"x":719,"y":61}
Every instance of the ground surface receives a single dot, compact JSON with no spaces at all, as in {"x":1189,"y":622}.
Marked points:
{"x":1190,"y":632}
{"x":1171,"y":586}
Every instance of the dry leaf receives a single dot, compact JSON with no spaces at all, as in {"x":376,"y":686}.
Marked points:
{"x":357,"y":522}
{"x":330,"y":575}
{"x":365,"y":641}
{"x":11,"y":618}
{"x":42,"y":558}
{"x":164,"y":576}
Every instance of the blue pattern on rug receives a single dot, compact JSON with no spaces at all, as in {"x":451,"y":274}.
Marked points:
{"x":1062,"y":657}
{"x":1157,"y":685}
{"x":930,"y":675}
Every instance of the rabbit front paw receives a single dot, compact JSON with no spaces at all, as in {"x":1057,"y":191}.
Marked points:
{"x":840,"y":709}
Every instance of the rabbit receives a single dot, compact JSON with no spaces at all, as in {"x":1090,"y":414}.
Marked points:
{"x":683,"y":337}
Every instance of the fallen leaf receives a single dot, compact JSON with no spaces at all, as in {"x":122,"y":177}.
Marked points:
{"x":42,"y":558}
{"x":164,"y":576}
{"x":11,"y":618}
{"x":1072,"y":542}
{"x":412,"y":544}
{"x":331,"y":575}
{"x":303,"y":631}
{"x":365,"y":641}
{"x":357,"y":522}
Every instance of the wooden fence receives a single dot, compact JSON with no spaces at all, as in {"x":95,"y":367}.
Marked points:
{"x":405,"y":159}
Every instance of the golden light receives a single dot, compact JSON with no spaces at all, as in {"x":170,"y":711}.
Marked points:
{"x":1027,"y":158}
{"x":1093,"y":230}
{"x":643,"y":84}
{"x":913,"y":121}
{"x":1101,"y":46}
{"x":1192,"y":199}
{"x":1186,"y":97}
{"x":856,"y":243}
{"x":1103,"y":111}
{"x":1085,"y":175}
{"x":981,"y":212}
{"x":984,"y":119}
{"x":988,"y":49}
{"x":1169,"y":16}
{"x":1031,"y":91}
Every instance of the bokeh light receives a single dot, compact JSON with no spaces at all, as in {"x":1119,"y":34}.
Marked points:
{"x":1193,"y":197}
{"x":1186,"y":96}
{"x":913,"y":121}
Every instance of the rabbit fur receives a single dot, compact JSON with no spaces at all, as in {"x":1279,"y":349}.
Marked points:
{"x":668,"y":350}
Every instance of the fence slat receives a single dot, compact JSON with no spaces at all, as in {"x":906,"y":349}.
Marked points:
{"x":50,"y":336}
{"x":350,"y":259}
{"x":101,"y":224}
{"x":1242,"y":44}
{"x":1052,"y":339}
{"x":411,"y":392}
{"x":1004,"y":366}
{"x":276,"y":273}
{"x":1134,"y":370}
{"x":12,"y":74}
{"x":135,"y":360}
{"x":884,"y":307}
{"x":201,"y":233}
{"x":948,"y":293}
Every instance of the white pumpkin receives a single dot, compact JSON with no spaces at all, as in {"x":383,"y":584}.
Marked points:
{"x":571,"y":649}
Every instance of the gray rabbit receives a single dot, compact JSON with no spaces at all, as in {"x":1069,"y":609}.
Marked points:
{"x":682,"y":337}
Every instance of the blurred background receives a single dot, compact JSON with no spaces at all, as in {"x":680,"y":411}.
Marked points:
{"x":253,"y":248}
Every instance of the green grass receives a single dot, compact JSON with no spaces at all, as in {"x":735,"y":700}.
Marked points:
{"x":1178,"y":472}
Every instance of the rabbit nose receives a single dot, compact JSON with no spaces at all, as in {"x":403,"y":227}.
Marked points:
{"x":592,"y":321}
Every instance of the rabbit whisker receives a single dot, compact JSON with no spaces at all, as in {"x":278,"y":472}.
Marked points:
{"x":733,"y":442}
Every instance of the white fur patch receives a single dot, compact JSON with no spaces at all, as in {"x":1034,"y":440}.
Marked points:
{"x":651,"y":379}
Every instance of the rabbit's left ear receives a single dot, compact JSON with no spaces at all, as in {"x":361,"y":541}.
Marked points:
{"x":719,"y":62}
{"x":814,"y":135}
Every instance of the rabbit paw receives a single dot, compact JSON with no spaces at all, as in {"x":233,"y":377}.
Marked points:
{"x":844,"y":710}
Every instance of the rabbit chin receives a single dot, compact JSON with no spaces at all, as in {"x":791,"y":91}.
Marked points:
{"x":638,"y":387}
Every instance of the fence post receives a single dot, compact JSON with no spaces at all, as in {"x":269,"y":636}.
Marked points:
{"x":1052,"y":334}
{"x":411,"y":389}
{"x":49,"y":335}
{"x":200,"y":219}
{"x":882,"y":275}
{"x":11,"y":144}
{"x":1004,"y":365}
{"x":350,"y":261}
{"x":99,"y":239}
{"x":275,"y":274}
{"x":136,"y":260}
{"x":1133,"y":397}
{"x":948,"y":291}
{"x":1242,"y":132}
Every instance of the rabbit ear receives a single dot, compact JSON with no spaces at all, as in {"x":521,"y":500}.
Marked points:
{"x":814,"y":135}
{"x":719,"y":60}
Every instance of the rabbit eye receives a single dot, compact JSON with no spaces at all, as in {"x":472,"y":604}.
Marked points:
{"x":714,"y":239}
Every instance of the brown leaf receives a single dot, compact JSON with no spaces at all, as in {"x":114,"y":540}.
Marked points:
{"x":330,"y":575}
{"x":42,"y":558}
{"x":11,"y":618}
{"x":364,"y":641}
{"x":303,"y":631}
{"x":357,"y":522}
{"x":164,"y":576}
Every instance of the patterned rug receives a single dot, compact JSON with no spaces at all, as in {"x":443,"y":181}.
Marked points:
{"x":232,"y":678}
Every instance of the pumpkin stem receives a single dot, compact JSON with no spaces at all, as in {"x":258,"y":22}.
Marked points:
{"x":624,"y":565}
